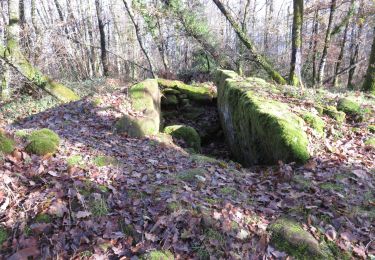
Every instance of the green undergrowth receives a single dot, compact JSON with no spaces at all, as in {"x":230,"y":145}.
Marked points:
{"x":75,"y":160}
{"x":202,"y":159}
{"x":158,"y":255}
{"x":3,"y":235}
{"x":370,"y":142}
{"x":98,"y":207}
{"x":43,"y":218}
{"x":191,"y":175}
{"x":101,"y":161}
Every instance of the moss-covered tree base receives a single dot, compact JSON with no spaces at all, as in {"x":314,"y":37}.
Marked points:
{"x":258,"y":129}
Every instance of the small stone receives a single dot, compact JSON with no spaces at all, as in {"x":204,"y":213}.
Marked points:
{"x":243,"y":234}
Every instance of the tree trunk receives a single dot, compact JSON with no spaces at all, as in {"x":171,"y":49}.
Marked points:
{"x":259,"y":59}
{"x":13,"y":56}
{"x":341,"y":56}
{"x":103,"y":49}
{"x":33,"y":17}
{"x":369,"y":84}
{"x":139,"y":37}
{"x":354,"y":47}
{"x":327,"y":41}
{"x":296,"y":62}
{"x":244,"y":29}
{"x":315,"y":45}
{"x":4,"y":81}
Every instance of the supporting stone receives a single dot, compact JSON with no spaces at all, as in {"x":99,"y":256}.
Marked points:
{"x":145,"y":99}
{"x":258,"y":129}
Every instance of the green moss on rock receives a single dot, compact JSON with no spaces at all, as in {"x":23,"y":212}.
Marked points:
{"x":332,"y":112}
{"x":187,"y":134}
{"x":199,"y":93}
{"x":145,"y":95}
{"x":258,"y":129}
{"x":45,"y":133}
{"x":138,"y":126}
{"x":158,"y":255}
{"x":315,"y":122}
{"x":371,"y":129}
{"x":42,"y":142}
{"x":170,"y":91}
{"x":145,"y":98}
{"x":6,"y":144}
{"x":288,"y":235}
{"x":61,"y":92}
{"x":348,"y":106}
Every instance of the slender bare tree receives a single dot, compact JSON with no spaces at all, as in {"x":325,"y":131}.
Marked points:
{"x":295,"y":77}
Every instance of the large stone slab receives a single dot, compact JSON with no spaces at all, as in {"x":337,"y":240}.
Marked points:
{"x":145,"y":99}
{"x":259,"y":130}
{"x":199,"y":93}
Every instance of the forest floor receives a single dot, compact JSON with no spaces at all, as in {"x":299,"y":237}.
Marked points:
{"x":107,"y":196}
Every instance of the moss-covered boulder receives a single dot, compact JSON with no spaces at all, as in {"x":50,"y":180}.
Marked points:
{"x":42,"y":142}
{"x":145,"y":99}
{"x":315,"y":122}
{"x":6,"y":144}
{"x":332,"y":112}
{"x":200,"y":93}
{"x":348,"y":106}
{"x":188,"y":134}
{"x":258,"y":129}
{"x":288,"y":235}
